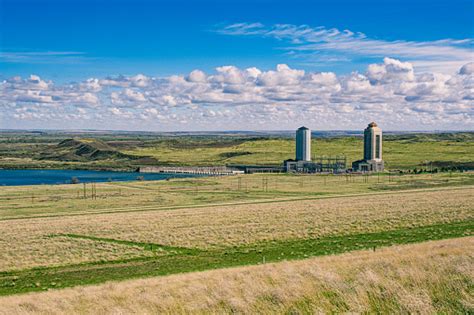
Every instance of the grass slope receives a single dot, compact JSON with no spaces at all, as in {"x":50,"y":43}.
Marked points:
{"x":86,"y":150}
{"x":432,"y":277}
{"x":38,"y":279}
{"x":27,"y":243}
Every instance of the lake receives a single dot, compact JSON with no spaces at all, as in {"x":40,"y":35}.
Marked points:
{"x":39,"y":177}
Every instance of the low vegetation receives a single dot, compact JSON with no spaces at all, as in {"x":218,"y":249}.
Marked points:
{"x":432,"y":277}
{"x":57,"y":200}
{"x":59,"y":236}
{"x":130,"y":150}
{"x":83,"y":150}
{"x":93,"y":248}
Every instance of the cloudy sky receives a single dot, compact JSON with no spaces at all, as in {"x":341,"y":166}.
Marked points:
{"x":236,"y":65}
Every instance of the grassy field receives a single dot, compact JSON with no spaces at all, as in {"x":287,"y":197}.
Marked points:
{"x":53,"y":237}
{"x":42,"y":242}
{"x":399,"y":153}
{"x":129,"y":151}
{"x":432,"y":277}
{"x":60,"y":236}
{"x":56,"y":200}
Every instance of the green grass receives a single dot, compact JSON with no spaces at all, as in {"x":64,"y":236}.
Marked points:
{"x":397,"y":153}
{"x":61,"y":200}
{"x":24,"y":150}
{"x":44,"y":278}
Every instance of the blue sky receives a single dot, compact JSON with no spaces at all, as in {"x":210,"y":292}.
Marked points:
{"x":77,"y":50}
{"x":167,"y":37}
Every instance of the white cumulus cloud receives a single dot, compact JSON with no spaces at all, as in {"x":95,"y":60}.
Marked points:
{"x":391,"y":92}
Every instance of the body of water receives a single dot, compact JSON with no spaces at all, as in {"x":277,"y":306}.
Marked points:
{"x":39,"y":177}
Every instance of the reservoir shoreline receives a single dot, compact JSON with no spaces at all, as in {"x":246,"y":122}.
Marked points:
{"x":24,"y":177}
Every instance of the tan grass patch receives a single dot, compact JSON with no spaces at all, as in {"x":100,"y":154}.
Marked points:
{"x":25,"y":244}
{"x":431,"y":277}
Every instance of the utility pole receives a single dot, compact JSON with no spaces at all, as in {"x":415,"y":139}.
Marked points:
{"x":94,"y":190}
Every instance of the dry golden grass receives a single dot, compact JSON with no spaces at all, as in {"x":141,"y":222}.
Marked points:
{"x":33,"y":248}
{"x":245,"y":224}
{"x":26,"y":201}
{"x":426,"y":278}
{"x":24,"y":243}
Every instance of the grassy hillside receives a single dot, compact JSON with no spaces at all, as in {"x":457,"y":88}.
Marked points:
{"x":55,"y":236}
{"x":433,"y":277}
{"x":83,"y":150}
{"x":400,"y":152}
{"x":130,"y":232}
{"x":130,"y":151}
{"x":60,"y":236}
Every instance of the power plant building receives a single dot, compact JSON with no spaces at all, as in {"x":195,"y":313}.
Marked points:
{"x":372,"y":161}
{"x":303,"y":163}
{"x":303,"y":144}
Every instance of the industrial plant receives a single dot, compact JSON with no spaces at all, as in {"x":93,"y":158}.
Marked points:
{"x":304,"y":163}
{"x":372,"y":161}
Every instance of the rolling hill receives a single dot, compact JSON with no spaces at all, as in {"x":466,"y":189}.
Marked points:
{"x":83,"y":150}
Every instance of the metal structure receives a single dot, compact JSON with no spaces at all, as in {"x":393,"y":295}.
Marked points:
{"x":204,"y":170}
{"x":320,"y":164}
{"x":250,"y":169}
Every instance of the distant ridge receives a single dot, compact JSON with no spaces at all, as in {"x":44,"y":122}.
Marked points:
{"x":82,"y":150}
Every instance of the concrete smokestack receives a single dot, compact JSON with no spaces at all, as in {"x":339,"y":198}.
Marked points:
{"x":303,"y":144}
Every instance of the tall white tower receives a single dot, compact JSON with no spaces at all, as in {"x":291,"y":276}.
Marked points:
{"x":373,"y":143}
{"x":303,"y":144}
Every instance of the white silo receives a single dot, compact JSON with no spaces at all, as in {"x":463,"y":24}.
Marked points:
{"x":303,"y":144}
